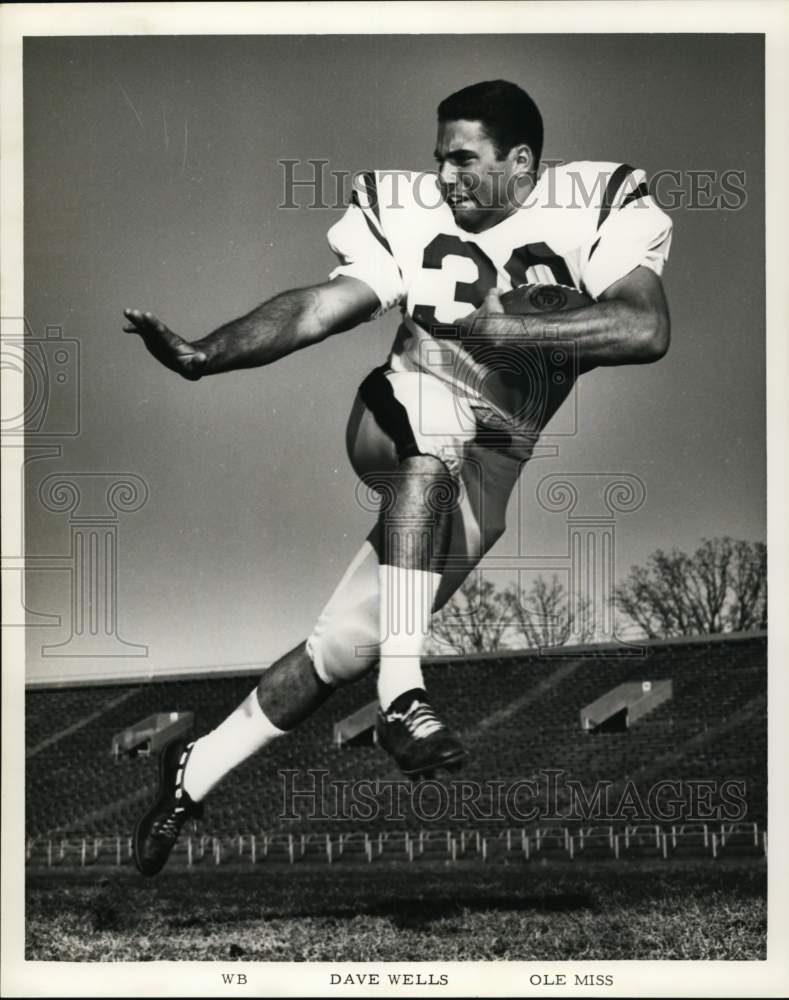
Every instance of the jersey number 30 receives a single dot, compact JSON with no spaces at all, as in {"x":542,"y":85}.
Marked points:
{"x":473,"y":292}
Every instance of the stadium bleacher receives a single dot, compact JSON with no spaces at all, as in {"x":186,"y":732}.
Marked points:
{"x":517,"y":712}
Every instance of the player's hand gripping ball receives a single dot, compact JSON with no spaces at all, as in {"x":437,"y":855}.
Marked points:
{"x":528,"y":299}
{"x":524,"y":300}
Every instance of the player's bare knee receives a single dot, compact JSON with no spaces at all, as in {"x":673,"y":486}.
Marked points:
{"x":438,"y":482}
{"x":426,"y":465}
{"x":341,"y":656}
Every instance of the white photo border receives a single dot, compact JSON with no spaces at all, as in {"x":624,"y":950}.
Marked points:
{"x":632,"y":978}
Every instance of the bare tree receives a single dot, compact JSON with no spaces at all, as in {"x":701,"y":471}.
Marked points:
{"x":474,"y":620}
{"x":748,"y":609}
{"x":542,"y":616}
{"x":721,"y":587}
{"x":482,"y":618}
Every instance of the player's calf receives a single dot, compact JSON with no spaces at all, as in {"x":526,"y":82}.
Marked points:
{"x":287,"y":693}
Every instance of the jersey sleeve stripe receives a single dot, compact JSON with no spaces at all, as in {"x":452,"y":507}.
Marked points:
{"x":376,"y":233}
{"x":615,"y":182}
{"x":374,"y":225}
{"x":640,"y":192}
{"x":368,"y":206}
{"x":368,"y":179}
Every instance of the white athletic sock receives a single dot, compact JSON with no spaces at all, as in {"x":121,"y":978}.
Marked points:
{"x":406,"y":602}
{"x":213,"y":756}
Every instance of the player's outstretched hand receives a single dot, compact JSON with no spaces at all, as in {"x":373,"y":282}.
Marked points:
{"x":167,"y":347}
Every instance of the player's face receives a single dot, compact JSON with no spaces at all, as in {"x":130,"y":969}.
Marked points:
{"x":477,"y":186}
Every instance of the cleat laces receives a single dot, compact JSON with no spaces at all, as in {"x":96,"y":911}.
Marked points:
{"x":421,"y":721}
{"x":169,"y":828}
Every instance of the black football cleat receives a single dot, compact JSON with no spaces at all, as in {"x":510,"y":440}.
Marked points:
{"x":411,"y":732}
{"x":157,"y":831}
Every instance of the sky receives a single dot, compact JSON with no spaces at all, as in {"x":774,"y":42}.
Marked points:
{"x":153,"y":179}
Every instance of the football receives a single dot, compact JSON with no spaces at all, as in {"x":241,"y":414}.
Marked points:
{"x":527,"y":299}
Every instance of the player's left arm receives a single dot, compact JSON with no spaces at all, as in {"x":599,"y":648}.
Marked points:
{"x":628,"y":325}
{"x":639,"y":317}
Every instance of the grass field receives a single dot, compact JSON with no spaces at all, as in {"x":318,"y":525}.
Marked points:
{"x":645,"y":910}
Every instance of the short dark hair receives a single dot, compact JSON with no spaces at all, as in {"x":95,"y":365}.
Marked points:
{"x":509,"y":115}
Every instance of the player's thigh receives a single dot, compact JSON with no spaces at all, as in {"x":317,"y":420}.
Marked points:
{"x":400,"y":414}
{"x":395,"y":415}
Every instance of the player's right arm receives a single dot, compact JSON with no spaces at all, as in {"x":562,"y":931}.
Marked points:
{"x":366,"y":284}
{"x":280,"y":326}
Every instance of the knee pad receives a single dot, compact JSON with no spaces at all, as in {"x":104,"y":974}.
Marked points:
{"x":343,"y":649}
{"x":344,"y":643}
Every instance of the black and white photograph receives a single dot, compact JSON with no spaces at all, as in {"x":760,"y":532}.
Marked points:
{"x":393,"y":409}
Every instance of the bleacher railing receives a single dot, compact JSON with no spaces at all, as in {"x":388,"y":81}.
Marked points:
{"x":515,"y":844}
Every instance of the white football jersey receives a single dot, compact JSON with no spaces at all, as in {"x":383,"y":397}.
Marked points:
{"x":584,"y":225}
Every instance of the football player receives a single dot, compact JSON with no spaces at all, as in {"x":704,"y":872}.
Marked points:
{"x":440,"y":432}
